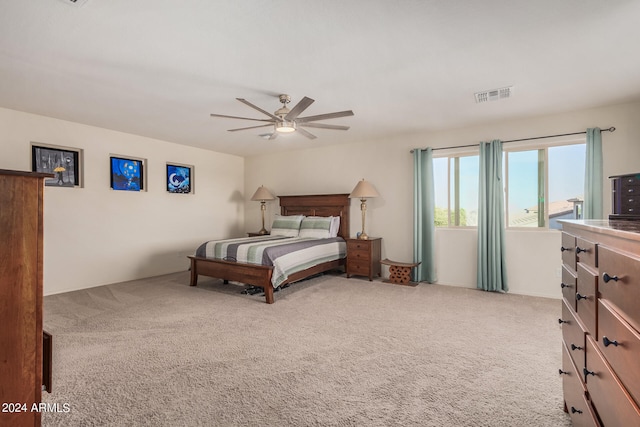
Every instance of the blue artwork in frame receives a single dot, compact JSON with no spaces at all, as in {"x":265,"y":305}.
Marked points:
{"x":179,"y":178}
{"x":126,"y":174}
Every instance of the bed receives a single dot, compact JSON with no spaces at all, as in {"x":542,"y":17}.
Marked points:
{"x":261,"y":275}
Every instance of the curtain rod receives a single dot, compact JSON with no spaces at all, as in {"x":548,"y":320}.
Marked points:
{"x":611,"y":129}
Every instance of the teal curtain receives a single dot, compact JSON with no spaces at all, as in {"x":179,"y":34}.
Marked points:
{"x":492,"y":269}
{"x":423,"y":217}
{"x":592,"y":208}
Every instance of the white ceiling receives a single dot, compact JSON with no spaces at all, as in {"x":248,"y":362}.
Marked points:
{"x":158,"y":68}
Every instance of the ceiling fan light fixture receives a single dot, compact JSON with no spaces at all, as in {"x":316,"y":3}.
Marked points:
{"x":285,"y":127}
{"x":286,"y":120}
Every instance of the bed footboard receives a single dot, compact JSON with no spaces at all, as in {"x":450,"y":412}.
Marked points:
{"x":256,"y":275}
{"x":251,"y":274}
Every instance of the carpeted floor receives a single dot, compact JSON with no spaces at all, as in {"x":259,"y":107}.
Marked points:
{"x":330,"y":352}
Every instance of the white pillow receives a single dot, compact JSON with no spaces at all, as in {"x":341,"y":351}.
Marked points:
{"x":335,"y":226}
{"x":286,"y":225}
{"x":317,"y":227}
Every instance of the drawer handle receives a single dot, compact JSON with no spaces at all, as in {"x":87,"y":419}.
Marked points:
{"x":574,"y":410}
{"x":575,"y":347}
{"x":607,"y":342}
{"x":579,"y":297}
{"x":561,"y":372}
{"x":562,"y":249}
{"x":564,"y":285}
{"x":560,"y":321}
{"x":579,"y":249}
{"x":606,"y":277}
{"x":587,"y":372}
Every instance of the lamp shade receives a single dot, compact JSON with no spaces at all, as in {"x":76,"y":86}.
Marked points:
{"x":364,"y":190}
{"x":262,"y":194}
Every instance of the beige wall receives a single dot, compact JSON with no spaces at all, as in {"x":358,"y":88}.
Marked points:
{"x":532,"y":256}
{"x":94,"y":235}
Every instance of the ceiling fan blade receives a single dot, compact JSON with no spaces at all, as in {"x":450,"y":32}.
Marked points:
{"x":305,"y":133}
{"x":324,"y":126}
{"x":299,"y":108}
{"x":274,"y":135}
{"x":242,"y":118}
{"x":255,"y":107}
{"x":325,"y":116}
{"x":250,"y":127}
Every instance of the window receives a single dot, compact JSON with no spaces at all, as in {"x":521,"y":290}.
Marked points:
{"x":525,"y":183}
{"x":542,"y":185}
{"x":456,"y":190}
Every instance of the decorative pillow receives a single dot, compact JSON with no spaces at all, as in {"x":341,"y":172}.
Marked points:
{"x":317,"y":227}
{"x":286,"y":225}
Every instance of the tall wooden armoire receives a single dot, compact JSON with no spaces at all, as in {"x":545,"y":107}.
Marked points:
{"x":21,"y":271}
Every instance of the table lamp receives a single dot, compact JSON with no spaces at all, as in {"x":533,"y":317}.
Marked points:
{"x":363,"y":191}
{"x":262,"y":195}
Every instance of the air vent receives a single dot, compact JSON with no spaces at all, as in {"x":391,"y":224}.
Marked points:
{"x":77,"y":3}
{"x":494,"y":94}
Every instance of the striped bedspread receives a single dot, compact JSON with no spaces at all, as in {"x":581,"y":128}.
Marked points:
{"x":287,"y":255}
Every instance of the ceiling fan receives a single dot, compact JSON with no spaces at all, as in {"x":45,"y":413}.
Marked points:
{"x":285,"y":120}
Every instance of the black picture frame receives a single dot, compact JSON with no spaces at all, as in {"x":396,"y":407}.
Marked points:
{"x":179,"y":178}
{"x":63,"y":162}
{"x":126,"y":173}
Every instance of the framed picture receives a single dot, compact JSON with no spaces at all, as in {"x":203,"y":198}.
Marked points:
{"x":63,"y":162}
{"x":127,"y":173}
{"x":179,"y":178}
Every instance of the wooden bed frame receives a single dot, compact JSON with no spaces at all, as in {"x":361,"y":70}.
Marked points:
{"x":260,"y":275}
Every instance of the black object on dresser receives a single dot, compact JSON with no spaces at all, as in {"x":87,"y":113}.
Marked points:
{"x":625,"y":196}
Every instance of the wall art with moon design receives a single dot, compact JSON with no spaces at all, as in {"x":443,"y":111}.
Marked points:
{"x":179,"y":178}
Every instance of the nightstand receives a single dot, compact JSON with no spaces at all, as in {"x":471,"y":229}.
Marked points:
{"x":363,"y":257}
{"x":254,"y":234}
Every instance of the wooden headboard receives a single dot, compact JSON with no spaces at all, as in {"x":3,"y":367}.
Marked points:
{"x":319,"y":205}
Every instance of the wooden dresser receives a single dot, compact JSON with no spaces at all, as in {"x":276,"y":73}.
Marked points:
{"x":21,"y":270}
{"x":601,"y":322}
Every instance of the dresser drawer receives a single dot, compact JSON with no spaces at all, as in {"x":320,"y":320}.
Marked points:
{"x":620,"y":345}
{"x":568,"y":250}
{"x":575,"y":393}
{"x":631,"y":200}
{"x":358,"y":253}
{"x":587,"y":252}
{"x":587,"y":298}
{"x":573,"y":334}
{"x":620,"y":284}
{"x":568,"y":286}
{"x":358,"y":245}
{"x":614,"y":406}
{"x":630,"y":181}
{"x":356,"y":265}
